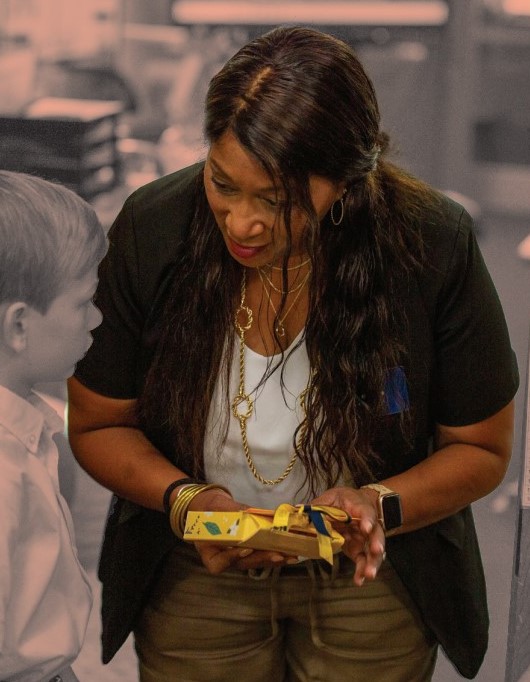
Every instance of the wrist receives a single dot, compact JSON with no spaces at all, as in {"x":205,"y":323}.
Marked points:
{"x":171,"y":492}
{"x":211,"y":499}
{"x":182,"y":502}
{"x":373,"y":496}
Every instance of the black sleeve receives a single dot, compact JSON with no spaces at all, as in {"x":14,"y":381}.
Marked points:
{"x":110,"y":365}
{"x":144,"y":244}
{"x":475,"y":367}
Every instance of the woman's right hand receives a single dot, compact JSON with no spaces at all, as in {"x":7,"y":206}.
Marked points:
{"x":218,"y":558}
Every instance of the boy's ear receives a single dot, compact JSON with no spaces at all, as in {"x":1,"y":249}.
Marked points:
{"x":15,"y":326}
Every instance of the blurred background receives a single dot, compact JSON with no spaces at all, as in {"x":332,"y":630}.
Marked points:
{"x":105,"y":95}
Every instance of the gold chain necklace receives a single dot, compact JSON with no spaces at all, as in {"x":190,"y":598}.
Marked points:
{"x":271,"y":284}
{"x":279,"y":328}
{"x":293,"y":267}
{"x":244,"y":398}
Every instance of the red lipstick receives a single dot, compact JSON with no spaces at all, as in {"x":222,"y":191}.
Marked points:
{"x":244,"y":252}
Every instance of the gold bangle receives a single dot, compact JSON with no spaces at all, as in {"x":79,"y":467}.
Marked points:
{"x":181,"y":505}
{"x":179,"y":508}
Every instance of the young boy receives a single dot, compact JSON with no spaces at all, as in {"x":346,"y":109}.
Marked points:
{"x":51,"y":243}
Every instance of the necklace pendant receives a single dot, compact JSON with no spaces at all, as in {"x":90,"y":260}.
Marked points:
{"x":243,"y":325}
{"x":237,"y":401}
{"x":280,"y":330}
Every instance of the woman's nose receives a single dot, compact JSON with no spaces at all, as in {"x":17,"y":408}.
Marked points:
{"x":243,"y":223}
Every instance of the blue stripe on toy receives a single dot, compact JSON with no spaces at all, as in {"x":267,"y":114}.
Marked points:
{"x":316,"y":520}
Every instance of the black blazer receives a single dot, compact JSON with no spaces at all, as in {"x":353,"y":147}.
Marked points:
{"x":456,"y":328}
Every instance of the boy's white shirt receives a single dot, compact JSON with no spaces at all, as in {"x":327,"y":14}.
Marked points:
{"x":45,"y":596}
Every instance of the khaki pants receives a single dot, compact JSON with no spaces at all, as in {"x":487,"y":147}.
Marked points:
{"x":303,"y":624}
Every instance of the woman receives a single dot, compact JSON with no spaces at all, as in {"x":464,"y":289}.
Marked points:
{"x":291,"y":321}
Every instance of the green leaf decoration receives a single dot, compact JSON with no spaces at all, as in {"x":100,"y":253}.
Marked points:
{"x":213,"y":528}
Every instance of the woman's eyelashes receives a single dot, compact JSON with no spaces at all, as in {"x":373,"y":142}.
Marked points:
{"x":228,"y":190}
{"x":222,"y":187}
{"x":273,"y":203}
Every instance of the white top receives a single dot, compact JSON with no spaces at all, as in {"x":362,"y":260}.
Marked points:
{"x":45,"y":596}
{"x":270,"y":430}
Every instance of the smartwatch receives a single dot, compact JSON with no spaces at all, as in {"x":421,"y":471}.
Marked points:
{"x":389,"y":506}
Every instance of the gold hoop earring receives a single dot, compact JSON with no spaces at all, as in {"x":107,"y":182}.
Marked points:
{"x":334,"y":220}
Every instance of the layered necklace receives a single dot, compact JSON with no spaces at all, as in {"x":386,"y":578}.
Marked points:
{"x":243,"y":403}
{"x":298,"y":289}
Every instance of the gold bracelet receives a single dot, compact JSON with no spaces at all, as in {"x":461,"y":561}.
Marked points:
{"x":182,"y":503}
{"x":179,"y":509}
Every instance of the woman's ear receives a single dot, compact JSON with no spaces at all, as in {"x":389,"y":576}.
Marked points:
{"x":15,"y":326}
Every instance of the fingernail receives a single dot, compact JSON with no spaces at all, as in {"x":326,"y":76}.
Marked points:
{"x":292,"y":560}
{"x":245,"y":552}
{"x":277,"y":558}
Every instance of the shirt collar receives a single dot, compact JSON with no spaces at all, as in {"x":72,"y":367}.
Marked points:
{"x":25,"y":419}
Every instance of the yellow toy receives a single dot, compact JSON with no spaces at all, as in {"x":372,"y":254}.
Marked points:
{"x":301,"y":530}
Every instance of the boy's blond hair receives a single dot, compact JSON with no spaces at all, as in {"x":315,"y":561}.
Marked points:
{"x":49,"y":236}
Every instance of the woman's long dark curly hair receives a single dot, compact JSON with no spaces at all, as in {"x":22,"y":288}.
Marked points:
{"x":300,"y":102}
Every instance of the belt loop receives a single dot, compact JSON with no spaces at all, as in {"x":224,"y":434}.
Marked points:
{"x":313,"y":616}
{"x":275,"y":574}
{"x":335,"y":569}
{"x":327,"y":572}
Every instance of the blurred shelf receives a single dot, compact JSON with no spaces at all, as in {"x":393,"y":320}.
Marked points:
{"x":374,"y":13}
{"x":503,"y":36}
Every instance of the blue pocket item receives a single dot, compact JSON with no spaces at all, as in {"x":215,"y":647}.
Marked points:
{"x":396,"y":391}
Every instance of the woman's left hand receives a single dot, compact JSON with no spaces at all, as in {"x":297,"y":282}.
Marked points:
{"x":364,"y":539}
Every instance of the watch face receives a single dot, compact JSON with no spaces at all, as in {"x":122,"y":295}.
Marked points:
{"x":391,"y":508}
